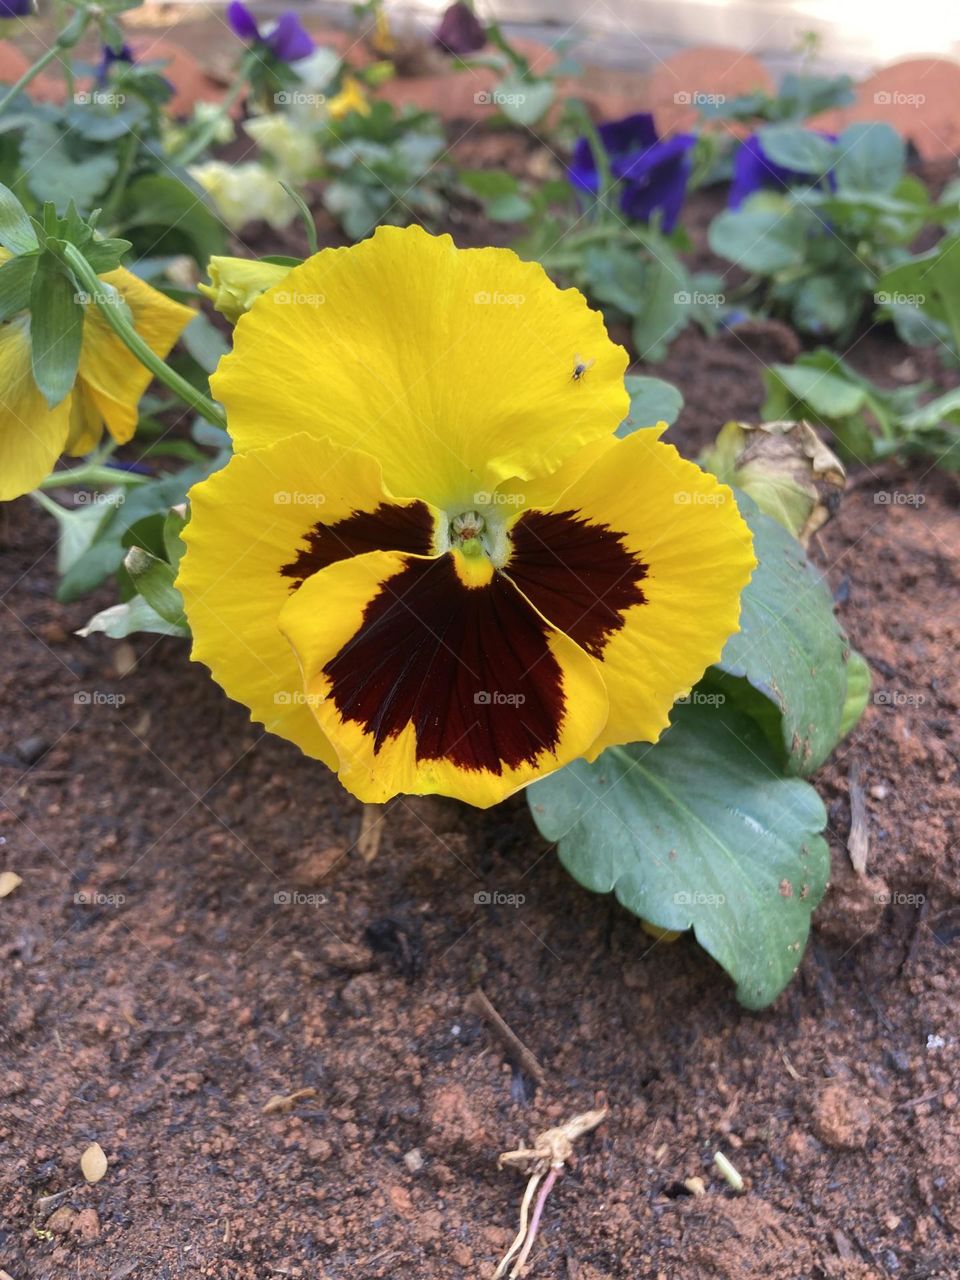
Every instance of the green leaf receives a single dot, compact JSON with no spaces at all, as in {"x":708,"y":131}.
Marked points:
{"x":204,"y":341}
{"x":56,"y":330}
{"x":790,"y":646}
{"x":488,"y":183}
{"x":16,"y":229}
{"x":153,"y":579}
{"x":122,"y":620}
{"x":858,"y":692}
{"x":614,"y":275}
{"x":16,"y":279}
{"x":698,"y":831}
{"x":524,"y":101}
{"x":664,"y":309}
{"x":651,"y":401}
{"x":797,"y":148}
{"x":761,"y":239}
{"x":54,"y":174}
{"x":508,"y":208}
{"x":822,"y":305}
{"x":828,"y":394}
{"x":173,"y":543}
{"x":175,"y":215}
{"x":870,"y":158}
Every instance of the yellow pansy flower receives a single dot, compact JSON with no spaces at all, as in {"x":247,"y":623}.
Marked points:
{"x":430,"y":563}
{"x":110,"y":381}
{"x":350,"y":98}
{"x":235,"y":283}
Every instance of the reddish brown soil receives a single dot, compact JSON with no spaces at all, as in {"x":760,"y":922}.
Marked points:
{"x":196,"y":933}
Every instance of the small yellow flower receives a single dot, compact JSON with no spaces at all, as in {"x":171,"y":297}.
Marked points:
{"x":110,"y":381}
{"x":244,"y":193}
{"x":350,"y":98}
{"x":430,"y":562}
{"x":236,"y":283}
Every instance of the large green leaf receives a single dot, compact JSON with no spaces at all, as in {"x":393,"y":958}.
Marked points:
{"x":790,"y":646}
{"x":16,"y":229}
{"x":761,"y":236}
{"x":651,"y":401}
{"x":796,"y":148}
{"x":871,"y":157}
{"x":698,"y":831}
{"x":174,"y":217}
{"x":56,"y":330}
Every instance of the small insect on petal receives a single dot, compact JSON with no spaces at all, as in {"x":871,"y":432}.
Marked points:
{"x":93,"y":1163}
{"x":580,"y":367}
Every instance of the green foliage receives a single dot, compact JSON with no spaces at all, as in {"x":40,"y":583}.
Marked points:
{"x":868,"y":422}
{"x":798,"y":97}
{"x":711,"y":828}
{"x":820,"y":250}
{"x":921,"y":295}
{"x":383,"y":167}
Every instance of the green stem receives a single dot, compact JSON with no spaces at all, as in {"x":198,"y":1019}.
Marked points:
{"x":91,"y":474}
{"x":104,"y":298}
{"x":128,"y":153}
{"x":192,"y":149}
{"x":44,"y":60}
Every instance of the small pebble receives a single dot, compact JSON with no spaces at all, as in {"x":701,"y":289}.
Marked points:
{"x":414,"y":1160}
{"x":879,"y":792}
{"x":32,"y":749}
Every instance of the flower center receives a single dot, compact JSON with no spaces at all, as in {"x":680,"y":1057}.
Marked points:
{"x":478,"y":536}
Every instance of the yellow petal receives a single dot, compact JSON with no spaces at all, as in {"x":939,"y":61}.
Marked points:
{"x":31,"y":434}
{"x":452,"y":366}
{"x":249,"y":545}
{"x":235,"y":283}
{"x":642,"y":561}
{"x":114,"y":377}
{"x":425,"y":684}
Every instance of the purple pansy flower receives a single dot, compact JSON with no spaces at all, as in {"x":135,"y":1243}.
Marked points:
{"x":16,"y":8}
{"x":460,"y":32}
{"x":753,"y":170}
{"x":289,"y":40}
{"x":653,"y":171}
{"x":109,"y":58}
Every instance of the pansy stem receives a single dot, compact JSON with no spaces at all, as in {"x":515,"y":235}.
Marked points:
{"x":88,"y":279}
{"x":90,"y":474}
{"x":67,"y":39}
{"x":192,"y":149}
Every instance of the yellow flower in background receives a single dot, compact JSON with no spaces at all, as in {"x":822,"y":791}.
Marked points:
{"x":430,"y":563}
{"x":110,"y":381}
{"x":244,"y":193}
{"x":236,"y":283}
{"x":291,"y":144}
{"x":350,"y":98}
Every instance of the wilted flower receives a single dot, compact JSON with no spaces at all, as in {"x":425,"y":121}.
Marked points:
{"x":109,"y":383}
{"x":430,"y":563}
{"x":245,"y":193}
{"x":460,"y":31}
{"x":653,"y":172}
{"x":287,"y":40}
{"x":236,"y":283}
{"x":753,"y":170}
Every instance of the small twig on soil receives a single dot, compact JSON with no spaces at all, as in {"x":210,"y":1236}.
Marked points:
{"x":480,"y":1003}
{"x":918,"y":926}
{"x":371,"y":830}
{"x":552,"y":1149}
{"x":858,"y":841}
{"x":727,"y":1171}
